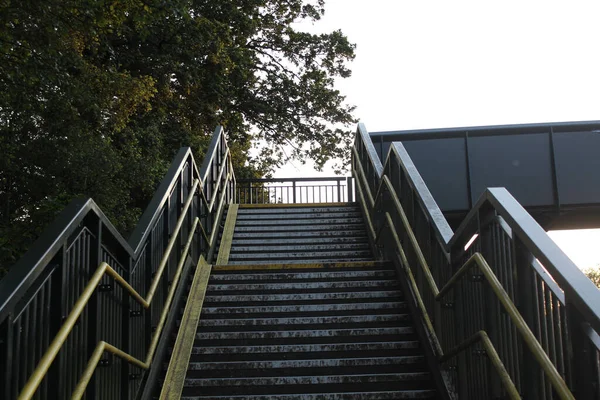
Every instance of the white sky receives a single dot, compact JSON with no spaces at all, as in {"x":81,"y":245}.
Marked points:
{"x":434,"y":64}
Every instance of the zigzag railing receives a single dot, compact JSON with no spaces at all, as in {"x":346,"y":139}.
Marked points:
{"x":61,"y":314}
{"x":514,"y":316}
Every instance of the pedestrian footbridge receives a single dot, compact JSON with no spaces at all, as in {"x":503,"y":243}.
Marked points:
{"x":333,"y":288}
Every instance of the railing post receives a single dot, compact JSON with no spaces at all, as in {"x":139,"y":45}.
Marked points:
{"x":490,"y":307}
{"x":531,"y":374}
{"x":583,"y":356}
{"x":339,"y":191}
{"x":94,"y":307}
{"x":294,"y":191}
{"x":350,"y":196}
{"x":250,"y":192}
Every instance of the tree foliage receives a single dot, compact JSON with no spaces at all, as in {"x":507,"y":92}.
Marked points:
{"x":594,"y":275}
{"x":96,"y":96}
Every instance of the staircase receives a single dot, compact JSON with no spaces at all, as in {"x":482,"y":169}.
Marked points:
{"x":299,"y":234}
{"x":329,"y":322}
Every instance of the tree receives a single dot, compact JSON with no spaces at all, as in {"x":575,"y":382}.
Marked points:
{"x":594,"y":275}
{"x":97,"y":96}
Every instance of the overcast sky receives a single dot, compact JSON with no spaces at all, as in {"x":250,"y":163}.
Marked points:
{"x":430,"y":64}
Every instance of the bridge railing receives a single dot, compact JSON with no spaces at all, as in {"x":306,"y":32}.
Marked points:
{"x":295,"y":190}
{"x":83,"y":295}
{"x":506,"y":312}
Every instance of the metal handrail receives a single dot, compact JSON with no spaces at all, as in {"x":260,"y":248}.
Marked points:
{"x":104,"y":269}
{"x":534,"y":346}
{"x":483,"y":337}
{"x":538,"y":352}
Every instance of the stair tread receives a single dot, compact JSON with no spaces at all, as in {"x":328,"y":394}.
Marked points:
{"x":234,"y":310}
{"x":302,"y":297}
{"x":382,"y":283}
{"x":310,"y":227}
{"x":308,"y":348}
{"x":323,"y":333}
{"x":374,"y":395}
{"x":331,"y":362}
{"x":301,"y":275}
{"x":287,"y":248}
{"x":307,"y":380}
{"x":303,"y":311}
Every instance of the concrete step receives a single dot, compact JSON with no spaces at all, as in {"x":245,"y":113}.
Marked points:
{"x":295,"y":255}
{"x":307,"y":380}
{"x":305,"y":336}
{"x":351,"y":213}
{"x":325,"y":226}
{"x":305,"y":351}
{"x":289,"y":275}
{"x":209,"y":312}
{"x":334,"y":366}
{"x":374,"y":395}
{"x":301,"y":240}
{"x":355,"y":232}
{"x":359,"y":395}
{"x":304,"y":310}
{"x":307,"y":384}
{"x":336,"y":286}
{"x":303,"y":298}
{"x":298,"y":209}
{"x":317,"y":259}
{"x":282,"y":248}
{"x":261,"y":366}
{"x":394,"y":319}
{"x":298,"y":221}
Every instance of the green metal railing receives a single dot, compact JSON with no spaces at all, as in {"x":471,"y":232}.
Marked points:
{"x":85,"y":312}
{"x":503,"y":324}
